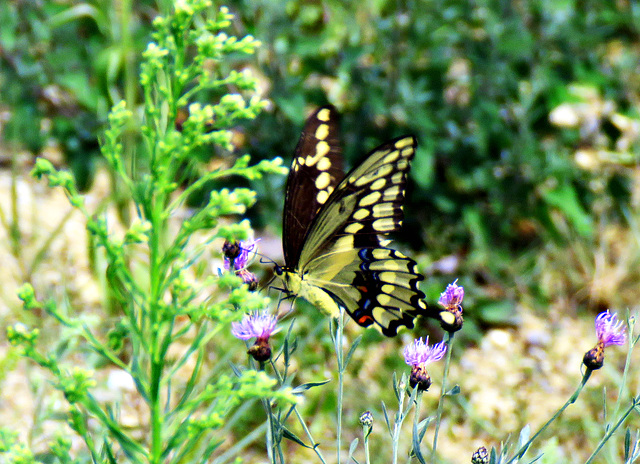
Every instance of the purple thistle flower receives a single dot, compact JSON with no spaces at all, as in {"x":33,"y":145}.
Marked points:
{"x":259,"y":325}
{"x":451,"y":298}
{"x":420,"y":353}
{"x":451,"y":318}
{"x":609,"y":330}
{"x":236,"y":257}
{"x":241,"y":258}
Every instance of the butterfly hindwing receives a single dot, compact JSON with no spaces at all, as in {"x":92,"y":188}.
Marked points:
{"x":382,"y":289}
{"x":315,"y":172}
{"x":343,"y":260}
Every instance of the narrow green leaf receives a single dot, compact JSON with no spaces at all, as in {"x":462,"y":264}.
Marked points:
{"x":289,"y":435}
{"x":386,"y":418}
{"x":415,"y":443}
{"x":423,"y":426}
{"x":309,"y":385}
{"x":627,"y":444}
{"x":352,"y":448}
{"x":396,"y":389}
{"x":354,"y":345}
{"x":454,"y":391}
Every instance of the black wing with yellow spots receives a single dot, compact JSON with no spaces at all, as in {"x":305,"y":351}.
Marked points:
{"x":335,"y":229}
{"x":315,"y":172}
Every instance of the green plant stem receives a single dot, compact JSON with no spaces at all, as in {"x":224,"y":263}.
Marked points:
{"x":609,"y":434}
{"x":571,"y":400}
{"x":448,"y":338}
{"x":396,"y":429}
{"x":401,"y":415}
{"x":367,"y":460}
{"x":155,"y":316}
{"x":623,"y":383}
{"x":416,"y":419}
{"x":270,"y":435}
{"x":303,"y":424}
{"x":341,"y":367}
{"x":266,"y":404}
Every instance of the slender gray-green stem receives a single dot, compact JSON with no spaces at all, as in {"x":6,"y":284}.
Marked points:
{"x":397,"y":424}
{"x":571,"y":400}
{"x":303,"y":424}
{"x":448,"y":339}
{"x":401,"y":414}
{"x":341,"y":367}
{"x":367,"y":460}
{"x":416,"y":420}
{"x":612,"y":430}
{"x":270,"y":434}
{"x":266,"y":404}
{"x":623,"y":383}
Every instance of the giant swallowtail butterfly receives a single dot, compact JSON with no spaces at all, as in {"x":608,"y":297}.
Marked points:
{"x":335,"y":225}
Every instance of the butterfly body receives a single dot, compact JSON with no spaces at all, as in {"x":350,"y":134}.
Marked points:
{"x":336,"y":253}
{"x":295,"y":283}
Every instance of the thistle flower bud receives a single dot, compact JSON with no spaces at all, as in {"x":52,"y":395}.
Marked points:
{"x":480,"y":456}
{"x":366,"y":419}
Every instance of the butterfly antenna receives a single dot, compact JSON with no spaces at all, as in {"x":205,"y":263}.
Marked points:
{"x":265,"y":259}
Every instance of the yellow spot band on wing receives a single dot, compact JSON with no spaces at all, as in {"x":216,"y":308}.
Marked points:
{"x":353,"y":228}
{"x":323,"y":114}
{"x":322,"y":132}
{"x":322,"y":181}
{"x":405,"y":142}
{"x":324,"y":164}
{"x":370,"y":199}
{"x":322,"y":196}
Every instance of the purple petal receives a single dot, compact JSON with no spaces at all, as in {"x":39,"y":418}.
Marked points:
{"x":420,"y":353}
{"x":258,"y":325}
{"x":610,"y":330}
{"x":452,"y":297}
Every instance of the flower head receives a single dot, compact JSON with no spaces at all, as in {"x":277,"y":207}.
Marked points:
{"x":609,"y":331}
{"x":419,"y":352}
{"x":236,"y":254}
{"x":248,"y":278}
{"x":258,"y":325}
{"x":418,"y":355}
{"x":451,"y":299}
{"x":452,"y":296}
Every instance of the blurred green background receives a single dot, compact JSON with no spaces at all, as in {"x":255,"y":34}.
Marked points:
{"x":525,"y":112}
{"x":525,"y":185}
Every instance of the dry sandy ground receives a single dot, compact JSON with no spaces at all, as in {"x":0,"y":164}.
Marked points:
{"x":513,"y":378}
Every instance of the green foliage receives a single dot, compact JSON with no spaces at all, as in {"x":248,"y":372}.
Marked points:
{"x":476,"y":82}
{"x":163,"y":305}
{"x":63,"y":66}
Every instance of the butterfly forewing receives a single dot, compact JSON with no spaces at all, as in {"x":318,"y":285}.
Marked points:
{"x":366,"y":205}
{"x":315,"y":172}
